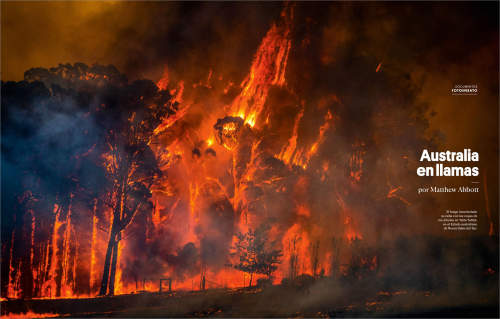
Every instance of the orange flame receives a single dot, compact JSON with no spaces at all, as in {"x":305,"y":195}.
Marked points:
{"x":268,"y":69}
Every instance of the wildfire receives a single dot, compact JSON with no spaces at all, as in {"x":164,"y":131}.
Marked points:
{"x":93,"y":248}
{"x":268,"y":69}
{"x":162,"y":84}
{"x":177,"y":99}
{"x":29,"y":314}
{"x":210,"y":142}
{"x":220,"y":174}
{"x":292,"y":155}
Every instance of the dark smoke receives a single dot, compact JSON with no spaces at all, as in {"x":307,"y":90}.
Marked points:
{"x":54,"y":129}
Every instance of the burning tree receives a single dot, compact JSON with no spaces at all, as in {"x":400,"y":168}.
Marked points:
{"x":90,"y":149}
{"x":292,"y":147}
{"x":131,"y":117}
{"x":255,"y":254}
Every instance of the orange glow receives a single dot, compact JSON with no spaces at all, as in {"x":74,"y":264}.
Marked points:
{"x":356,"y":163}
{"x":251,"y":119}
{"x":204,"y":185}
{"x":210,"y":142}
{"x":268,"y":68}
{"x":292,"y":155}
{"x":29,"y":315}
{"x":303,"y":211}
{"x":93,"y":248}
{"x":162,"y":84}
{"x":13,"y":290}
{"x":50,"y":286}
{"x":296,"y":253}
{"x":119,"y":289}
{"x":68,"y":265}
{"x":288,"y":152}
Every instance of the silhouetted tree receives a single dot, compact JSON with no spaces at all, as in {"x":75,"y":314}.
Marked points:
{"x":131,"y":114}
{"x":255,"y":254}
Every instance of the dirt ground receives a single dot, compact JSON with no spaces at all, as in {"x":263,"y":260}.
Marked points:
{"x":320,"y":299}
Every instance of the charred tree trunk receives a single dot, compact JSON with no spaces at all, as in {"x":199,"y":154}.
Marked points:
{"x":26,"y":271}
{"x":315,"y":258}
{"x":109,"y":252}
{"x":251,"y":277}
{"x":112,"y":246}
{"x":107,"y":263}
{"x":112,"y":274}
